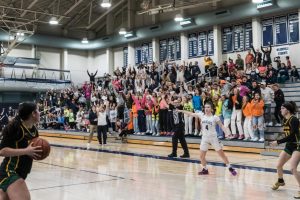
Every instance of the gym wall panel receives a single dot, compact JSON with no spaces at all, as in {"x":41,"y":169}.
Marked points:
{"x":100,"y":62}
{"x":49,"y":57}
{"x":78,"y":66}
{"x":21,"y":51}
{"x":118,"y":58}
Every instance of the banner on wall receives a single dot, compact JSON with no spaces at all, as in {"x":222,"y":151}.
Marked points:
{"x":283,"y":51}
{"x":267,"y":32}
{"x":171,"y":49}
{"x":227,"y":40}
{"x":125,"y":56}
{"x":248,"y":36}
{"x":138,"y":55}
{"x":145,"y":53}
{"x":238,"y":37}
{"x":163,"y":51}
{"x":202,"y":44}
{"x":210,"y":43}
{"x":178,"y":48}
{"x":293,"y":28}
{"x":281,"y":30}
{"x":193,"y":45}
{"x":150,"y":60}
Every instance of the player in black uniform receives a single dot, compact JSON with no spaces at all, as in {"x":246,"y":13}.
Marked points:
{"x":178,"y":130}
{"x":292,"y":146}
{"x":18,"y":152}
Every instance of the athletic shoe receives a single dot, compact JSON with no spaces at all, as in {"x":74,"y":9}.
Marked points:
{"x":232,"y":171}
{"x":297,"y":196}
{"x":241,"y":137}
{"x":88,"y":146}
{"x":172,"y":155}
{"x":261,"y":140}
{"x":254,"y":139}
{"x":185,"y":156}
{"x":277,"y":124}
{"x":203,"y":172}
{"x":247,"y":139}
{"x":270,"y":124}
{"x":277,"y":185}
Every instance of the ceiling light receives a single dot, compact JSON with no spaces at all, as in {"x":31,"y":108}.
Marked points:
{"x":257,"y":1}
{"x":130,"y":34}
{"x":122,"y":31}
{"x":178,"y":18}
{"x":53,"y":21}
{"x":85,"y":41}
{"x":20,"y":34}
{"x":106,"y":4}
{"x":187,"y":22}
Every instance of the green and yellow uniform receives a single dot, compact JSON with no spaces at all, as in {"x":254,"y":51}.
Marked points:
{"x":15,"y":136}
{"x":291,"y":130}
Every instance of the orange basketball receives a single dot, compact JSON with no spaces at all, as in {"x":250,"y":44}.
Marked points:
{"x":44,"y":145}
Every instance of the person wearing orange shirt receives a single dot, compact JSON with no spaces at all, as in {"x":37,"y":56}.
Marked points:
{"x":257,"y":105}
{"x":248,"y":128}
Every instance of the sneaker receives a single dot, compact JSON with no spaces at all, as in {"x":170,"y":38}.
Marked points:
{"x":270,"y":124}
{"x":232,"y":171}
{"x":185,"y":155}
{"x":254,"y":139}
{"x":241,"y":137}
{"x":297,"y":196}
{"x":277,"y":124}
{"x":203,"y":172}
{"x":88,"y":145}
{"x":261,"y":140}
{"x":277,"y":185}
{"x":247,"y":139}
{"x":172,"y":155}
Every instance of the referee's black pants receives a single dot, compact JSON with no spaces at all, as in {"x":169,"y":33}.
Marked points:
{"x":179,"y":135}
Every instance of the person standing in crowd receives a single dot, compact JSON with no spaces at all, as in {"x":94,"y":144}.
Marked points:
{"x":188,"y":120}
{"x":267,"y":55}
{"x":178,"y":130}
{"x":248,"y":127}
{"x":292,"y":149}
{"x":294,"y":74}
{"x":92,"y":78}
{"x":249,"y":58}
{"x":102,"y":123}
{"x":257,"y":110}
{"x":236,"y":118}
{"x":209,"y":137}
{"x":239,"y":62}
{"x":257,"y":56}
{"x":279,"y":100}
{"x":268,"y":96}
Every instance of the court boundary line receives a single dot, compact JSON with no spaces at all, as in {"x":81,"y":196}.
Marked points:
{"x":73,"y":184}
{"x":81,"y":170}
{"x":238,"y":166}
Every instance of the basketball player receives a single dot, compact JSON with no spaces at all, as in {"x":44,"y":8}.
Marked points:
{"x":292,"y":146}
{"x":209,"y":136}
{"x":18,"y":152}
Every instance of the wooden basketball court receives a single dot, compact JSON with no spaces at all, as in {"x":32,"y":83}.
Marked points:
{"x":133,"y":171}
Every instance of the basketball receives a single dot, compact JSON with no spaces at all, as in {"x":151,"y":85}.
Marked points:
{"x":45,"y":146}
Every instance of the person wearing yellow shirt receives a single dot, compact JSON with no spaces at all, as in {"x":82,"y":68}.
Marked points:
{"x":218,"y":103}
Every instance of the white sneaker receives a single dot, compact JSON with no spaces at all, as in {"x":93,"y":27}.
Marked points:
{"x":277,"y":124}
{"x":88,"y":145}
{"x":270,"y":124}
{"x":261,"y":140}
{"x":254,"y":139}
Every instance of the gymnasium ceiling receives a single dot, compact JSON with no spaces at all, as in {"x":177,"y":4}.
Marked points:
{"x":81,"y":18}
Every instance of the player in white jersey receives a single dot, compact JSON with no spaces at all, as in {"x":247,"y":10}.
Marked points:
{"x":209,"y":136}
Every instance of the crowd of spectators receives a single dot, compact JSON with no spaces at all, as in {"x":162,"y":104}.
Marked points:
{"x":137,"y":99}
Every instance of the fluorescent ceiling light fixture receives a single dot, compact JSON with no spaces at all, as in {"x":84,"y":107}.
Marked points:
{"x":105,"y":4}
{"x":122,"y":31}
{"x":265,"y":4}
{"x":53,"y":21}
{"x":20,"y":34}
{"x":257,"y":1}
{"x":130,"y":34}
{"x":187,"y":22}
{"x":178,"y":18}
{"x":85,"y":41}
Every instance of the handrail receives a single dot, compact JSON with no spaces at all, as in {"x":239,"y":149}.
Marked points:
{"x":29,"y":67}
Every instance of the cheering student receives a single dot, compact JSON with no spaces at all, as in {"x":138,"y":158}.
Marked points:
{"x":209,"y":136}
{"x":292,"y":146}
